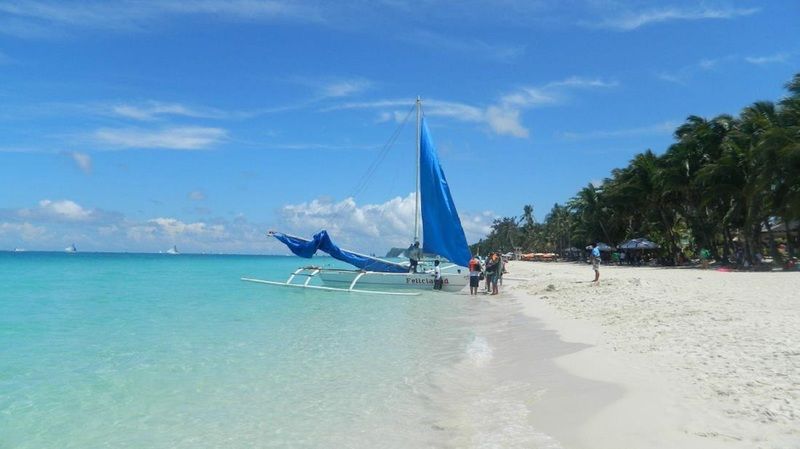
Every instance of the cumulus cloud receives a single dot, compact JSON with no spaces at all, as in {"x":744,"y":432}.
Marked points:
{"x":360,"y":227}
{"x":177,"y":138}
{"x":368,"y":227}
{"x":174,"y":227}
{"x":61,"y":210}
{"x":24,"y":231}
{"x":52,"y":224}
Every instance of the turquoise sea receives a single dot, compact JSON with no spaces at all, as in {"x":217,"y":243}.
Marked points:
{"x":105,"y":350}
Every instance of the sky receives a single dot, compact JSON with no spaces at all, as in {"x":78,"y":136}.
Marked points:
{"x":139,"y":125}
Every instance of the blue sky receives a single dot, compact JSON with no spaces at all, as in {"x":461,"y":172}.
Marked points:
{"x":133,"y":126}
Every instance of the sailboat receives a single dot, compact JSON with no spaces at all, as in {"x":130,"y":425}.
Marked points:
{"x":71,"y":249}
{"x":442,"y":235}
{"x":173,"y":250}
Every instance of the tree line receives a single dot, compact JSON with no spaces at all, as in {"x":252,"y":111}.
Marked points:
{"x":727,"y":184}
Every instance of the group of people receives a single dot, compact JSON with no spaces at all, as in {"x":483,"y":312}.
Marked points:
{"x":491,"y":270}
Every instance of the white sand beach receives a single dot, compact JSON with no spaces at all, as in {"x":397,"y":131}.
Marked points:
{"x":705,"y":359}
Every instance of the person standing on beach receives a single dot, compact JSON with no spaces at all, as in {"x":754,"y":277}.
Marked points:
{"x":491,"y":272}
{"x":437,"y":273}
{"x":705,"y":257}
{"x":474,"y":275}
{"x":414,"y":256}
{"x":493,"y":268}
{"x":596,"y":263}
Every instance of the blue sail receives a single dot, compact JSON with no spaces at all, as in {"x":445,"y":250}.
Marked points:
{"x":321,"y":241}
{"x":441,"y":228}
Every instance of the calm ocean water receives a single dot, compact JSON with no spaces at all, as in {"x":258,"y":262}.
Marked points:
{"x":159,"y":351}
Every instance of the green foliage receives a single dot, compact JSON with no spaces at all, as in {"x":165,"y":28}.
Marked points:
{"x":718,"y":187}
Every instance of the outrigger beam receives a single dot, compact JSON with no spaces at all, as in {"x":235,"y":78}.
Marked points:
{"x":335,"y":289}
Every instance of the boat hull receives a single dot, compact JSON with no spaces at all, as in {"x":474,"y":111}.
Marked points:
{"x":451,"y":282}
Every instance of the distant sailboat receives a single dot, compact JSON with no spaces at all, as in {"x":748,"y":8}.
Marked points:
{"x":71,"y":249}
{"x":173,"y":250}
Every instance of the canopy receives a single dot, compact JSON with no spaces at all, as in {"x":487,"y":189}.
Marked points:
{"x":604,"y":247}
{"x":441,"y":228}
{"x":321,"y":241}
{"x":640,"y":243}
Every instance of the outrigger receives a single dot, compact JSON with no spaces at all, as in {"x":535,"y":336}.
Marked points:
{"x":311,"y":271}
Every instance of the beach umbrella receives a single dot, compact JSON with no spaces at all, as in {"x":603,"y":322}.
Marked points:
{"x":640,"y":243}
{"x":604,"y":247}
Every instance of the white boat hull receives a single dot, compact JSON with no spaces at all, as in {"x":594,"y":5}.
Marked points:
{"x":451,"y":282}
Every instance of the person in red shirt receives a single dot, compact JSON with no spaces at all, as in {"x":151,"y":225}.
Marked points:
{"x":474,"y":275}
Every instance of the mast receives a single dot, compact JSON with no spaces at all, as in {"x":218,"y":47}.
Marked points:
{"x":416,"y":185}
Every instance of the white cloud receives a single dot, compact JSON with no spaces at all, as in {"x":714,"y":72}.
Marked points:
{"x":25,"y":231}
{"x":633,"y":20}
{"x":93,"y":229}
{"x":345,"y":88}
{"x":66,"y":209}
{"x":505,"y":121}
{"x":83,"y":160}
{"x":178,"y":138}
{"x":365,"y":228}
{"x":369,"y":227}
{"x":197,"y":195}
{"x":62,"y":210}
{"x":685,"y":73}
{"x":153,"y":110}
{"x":46,"y":17}
{"x":580,"y":82}
{"x":503,"y":117}
{"x":667,"y":127}
{"x":763,"y":60}
{"x":174,"y":227}
{"x":468,"y":46}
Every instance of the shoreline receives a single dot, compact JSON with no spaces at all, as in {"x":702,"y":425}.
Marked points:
{"x":667,"y":340}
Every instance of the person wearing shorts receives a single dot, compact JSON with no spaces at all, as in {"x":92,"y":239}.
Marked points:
{"x":474,"y":275}
{"x":596,"y":263}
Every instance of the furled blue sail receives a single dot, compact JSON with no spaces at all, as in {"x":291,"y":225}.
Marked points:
{"x":441,"y":228}
{"x":321,"y":241}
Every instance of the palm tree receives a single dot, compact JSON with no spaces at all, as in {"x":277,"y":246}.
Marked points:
{"x":592,"y":214}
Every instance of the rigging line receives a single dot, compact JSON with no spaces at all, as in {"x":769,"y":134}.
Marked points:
{"x":364,"y":181}
{"x":365,"y":178}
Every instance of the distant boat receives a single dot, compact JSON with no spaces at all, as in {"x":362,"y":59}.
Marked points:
{"x":173,"y":250}
{"x":71,"y":249}
{"x":19,"y":250}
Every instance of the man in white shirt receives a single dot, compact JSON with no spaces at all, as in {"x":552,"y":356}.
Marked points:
{"x":437,"y":272}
